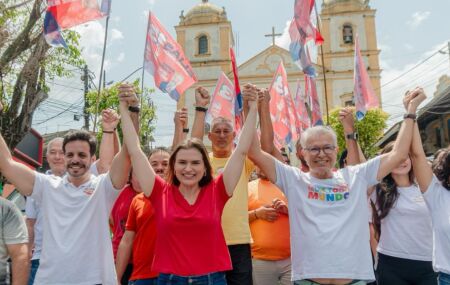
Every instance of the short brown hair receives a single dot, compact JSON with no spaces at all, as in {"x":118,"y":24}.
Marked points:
{"x":189,"y":144}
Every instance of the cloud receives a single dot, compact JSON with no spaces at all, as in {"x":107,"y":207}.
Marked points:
{"x":417,"y":18}
{"x":284,"y":40}
{"x":121,"y":57}
{"x":426,"y":75}
{"x":91,"y":42}
{"x":408,"y":47}
{"x":151,"y":2}
{"x":116,"y":35}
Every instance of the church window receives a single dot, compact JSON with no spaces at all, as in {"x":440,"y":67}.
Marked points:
{"x":347,"y":34}
{"x":203,"y":45}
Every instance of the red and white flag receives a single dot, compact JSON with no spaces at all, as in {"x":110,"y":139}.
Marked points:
{"x":282,"y":110}
{"x":302,"y":118}
{"x":75,"y":12}
{"x":311,"y":92}
{"x":165,"y":60}
{"x":223,"y":100}
{"x":364,"y":95}
{"x":302,"y":18}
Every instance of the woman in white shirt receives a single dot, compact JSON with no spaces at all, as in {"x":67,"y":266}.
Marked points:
{"x":403,"y":223}
{"x":436,"y":191}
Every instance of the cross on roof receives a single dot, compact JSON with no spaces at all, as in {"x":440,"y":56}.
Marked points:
{"x":273,"y":35}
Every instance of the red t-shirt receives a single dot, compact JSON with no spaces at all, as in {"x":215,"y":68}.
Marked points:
{"x":190,"y":239}
{"x":142,"y":222}
{"x":119,"y":215}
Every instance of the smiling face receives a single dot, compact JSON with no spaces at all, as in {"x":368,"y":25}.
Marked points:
{"x":77,"y":158}
{"x":189,"y":167}
{"x":55,"y":156}
{"x":325,"y":159}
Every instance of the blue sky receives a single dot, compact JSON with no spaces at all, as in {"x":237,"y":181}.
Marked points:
{"x":407,"y":32}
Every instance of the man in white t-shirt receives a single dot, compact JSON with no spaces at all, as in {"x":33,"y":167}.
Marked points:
{"x":328,"y":209}
{"x":75,"y":211}
{"x":55,"y":157}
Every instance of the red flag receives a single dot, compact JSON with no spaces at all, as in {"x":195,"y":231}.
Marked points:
{"x":302,"y":118}
{"x":282,"y":109}
{"x":165,"y":60}
{"x":364,"y":95}
{"x":311,"y":92}
{"x":238,"y":104}
{"x":302,"y":17}
{"x":223,"y":100}
{"x":74,"y":12}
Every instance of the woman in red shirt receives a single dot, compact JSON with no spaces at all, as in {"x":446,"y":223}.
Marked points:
{"x":190,"y":246}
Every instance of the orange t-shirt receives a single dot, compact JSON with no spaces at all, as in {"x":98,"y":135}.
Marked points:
{"x":270,"y":239}
{"x":141,"y":220}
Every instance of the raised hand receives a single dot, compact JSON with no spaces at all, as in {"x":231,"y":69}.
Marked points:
{"x":346,"y":119}
{"x":128,"y":95}
{"x":202,"y":97}
{"x":412,"y":99}
{"x":110,"y":120}
{"x":250,"y":95}
{"x":267,"y":213}
{"x":181,"y":117}
{"x":280,"y":206}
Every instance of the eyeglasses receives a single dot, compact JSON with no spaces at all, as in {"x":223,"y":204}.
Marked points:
{"x":328,"y":149}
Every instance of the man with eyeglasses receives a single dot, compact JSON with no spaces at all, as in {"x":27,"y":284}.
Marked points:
{"x":328,"y":209}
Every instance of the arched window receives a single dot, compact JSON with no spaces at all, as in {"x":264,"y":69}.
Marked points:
{"x":347,"y":34}
{"x":203,"y":45}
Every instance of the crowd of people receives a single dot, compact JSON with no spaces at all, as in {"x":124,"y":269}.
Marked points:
{"x":181,"y":215}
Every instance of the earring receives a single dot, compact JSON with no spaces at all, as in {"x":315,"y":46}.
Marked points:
{"x":204,"y":175}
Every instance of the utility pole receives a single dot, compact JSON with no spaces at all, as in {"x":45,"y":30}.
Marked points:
{"x":85,"y":79}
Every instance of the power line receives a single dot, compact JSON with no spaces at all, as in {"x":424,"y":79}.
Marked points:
{"x":411,"y":69}
{"x":62,"y":112}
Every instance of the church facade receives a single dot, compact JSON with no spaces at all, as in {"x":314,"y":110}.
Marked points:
{"x":205,"y":34}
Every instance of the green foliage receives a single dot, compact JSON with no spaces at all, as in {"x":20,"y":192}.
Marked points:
{"x":109,"y":99}
{"x":370,"y":130}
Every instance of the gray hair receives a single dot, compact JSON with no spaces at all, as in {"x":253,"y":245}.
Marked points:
{"x":53,"y":141}
{"x":315,"y":131}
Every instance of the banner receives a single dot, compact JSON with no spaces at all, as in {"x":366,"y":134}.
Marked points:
{"x":282,"y":110}
{"x":311,"y":92}
{"x":302,"y":117}
{"x":299,"y":52}
{"x":223,"y":100}
{"x":64,"y":14}
{"x":165,"y":60}
{"x":239,"y":122}
{"x":364,"y":95}
{"x":302,"y":19}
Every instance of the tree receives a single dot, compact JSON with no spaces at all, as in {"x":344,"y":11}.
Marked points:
{"x":26,"y":63}
{"x":109,"y":99}
{"x":370,"y":130}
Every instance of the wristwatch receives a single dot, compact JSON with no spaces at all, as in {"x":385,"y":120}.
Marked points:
{"x":352,"y":136}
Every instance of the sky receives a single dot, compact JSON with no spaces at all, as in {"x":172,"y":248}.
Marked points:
{"x":409,"y":35}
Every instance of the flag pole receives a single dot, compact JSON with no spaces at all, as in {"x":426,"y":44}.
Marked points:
{"x":323,"y":66}
{"x":97,"y":103}
{"x":143,"y":65}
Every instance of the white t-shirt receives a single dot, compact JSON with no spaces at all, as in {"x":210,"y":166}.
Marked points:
{"x":438,"y":202}
{"x":406,"y":231}
{"x":77,"y":246}
{"x":328,"y":221}
{"x":32,"y":211}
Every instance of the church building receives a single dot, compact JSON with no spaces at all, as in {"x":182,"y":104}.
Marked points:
{"x":205,"y":33}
